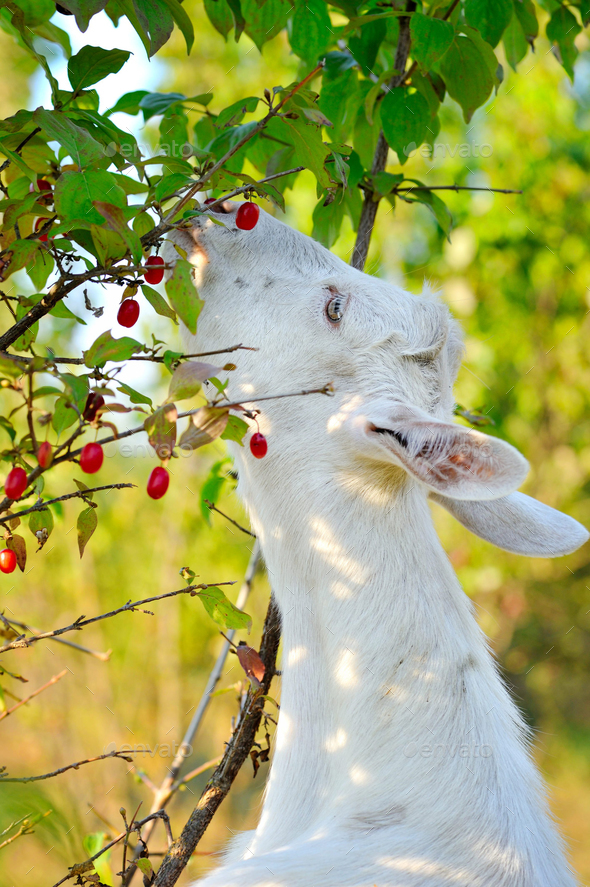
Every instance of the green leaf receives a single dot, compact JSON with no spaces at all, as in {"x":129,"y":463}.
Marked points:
{"x":183,"y":294}
{"x":311,"y":30}
{"x":220,"y":16}
{"x":116,"y":221}
{"x":366,"y":46}
{"x":327,"y":220}
{"x":107,"y":245}
{"x":133,"y":395}
{"x":22,"y":253}
{"x":40,"y":269}
{"x":161,"y":430}
{"x":86,"y":525}
{"x":466,"y":75}
{"x":41,"y":522}
{"x":129,"y":103}
{"x":264,"y":22}
{"x":107,"y":348}
{"x":235,"y":429}
{"x":92,"y":843}
{"x":234,"y":113}
{"x":93,"y":63}
{"x":562,"y":30}
{"x":144,"y":866}
{"x":310,"y":151}
{"x":83,"y":10}
{"x":431,"y":37}
{"x":183,"y":22}
{"x":158,"y":302}
{"x":213,"y":485}
{"x":527,"y":16}
{"x":437,"y":207}
{"x":154,"y":103}
{"x":76,"y":191}
{"x":404,"y":117}
{"x":64,"y":415}
{"x":515,"y":43}
{"x":490,"y":17}
{"x":156,"y":20}
{"x":221,"y":609}
{"x":82,"y":148}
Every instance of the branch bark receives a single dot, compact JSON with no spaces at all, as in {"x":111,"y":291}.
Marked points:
{"x":171,"y":783}
{"x":81,"y":622}
{"x":370,"y":204}
{"x":236,"y":753}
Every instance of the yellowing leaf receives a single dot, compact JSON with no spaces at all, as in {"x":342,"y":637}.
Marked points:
{"x":87,"y":523}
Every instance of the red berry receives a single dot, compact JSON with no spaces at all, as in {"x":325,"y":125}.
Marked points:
{"x":39,"y":224}
{"x":258,"y":445}
{"x":128,"y":312}
{"x":211,"y":200}
{"x":158,"y":482}
{"x":154,"y":269}
{"x":7,"y":560}
{"x":16,"y":483}
{"x":91,"y":458}
{"x":94,"y":402}
{"x":247,"y":216}
{"x":45,"y":454}
{"x":42,"y":185}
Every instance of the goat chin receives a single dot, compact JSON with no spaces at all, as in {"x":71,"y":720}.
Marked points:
{"x":400,"y":759}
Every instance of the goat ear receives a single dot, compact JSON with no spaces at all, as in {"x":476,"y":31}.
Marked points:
{"x":519,"y":524}
{"x":458,"y":462}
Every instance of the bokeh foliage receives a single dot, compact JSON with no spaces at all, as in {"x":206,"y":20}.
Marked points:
{"x":515,"y":272}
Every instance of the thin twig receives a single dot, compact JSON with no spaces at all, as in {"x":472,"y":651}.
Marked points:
{"x":170,"y":784}
{"x":69,"y":455}
{"x":212,"y":507}
{"x":113,"y":754}
{"x":79,"y":494}
{"x":53,"y":680}
{"x":87,"y":865}
{"x":104,"y":657}
{"x":80,"y":361}
{"x":81,"y":622}
{"x":245,"y":188}
{"x":398,"y":190}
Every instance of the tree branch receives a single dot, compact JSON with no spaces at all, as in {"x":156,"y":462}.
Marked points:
{"x":170,"y":784}
{"x":212,"y":507}
{"x":81,"y":622}
{"x":79,"y":494}
{"x":53,"y":680}
{"x":236,"y":753}
{"x":80,"y":361}
{"x":113,"y":754}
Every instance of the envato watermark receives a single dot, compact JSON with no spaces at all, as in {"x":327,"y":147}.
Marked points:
{"x":462,"y":149}
{"x":441,"y":750}
{"x":146,"y":451}
{"x":163,"y":749}
{"x":134,"y":151}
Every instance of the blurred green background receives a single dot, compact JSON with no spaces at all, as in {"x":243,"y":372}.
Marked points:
{"x":517,"y":275}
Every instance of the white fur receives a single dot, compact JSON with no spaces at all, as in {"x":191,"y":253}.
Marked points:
{"x":400,"y":759}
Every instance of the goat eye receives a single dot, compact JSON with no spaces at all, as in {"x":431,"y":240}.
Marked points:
{"x":335,"y":310}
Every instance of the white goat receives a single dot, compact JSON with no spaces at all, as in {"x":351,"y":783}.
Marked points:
{"x":401,"y":760}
